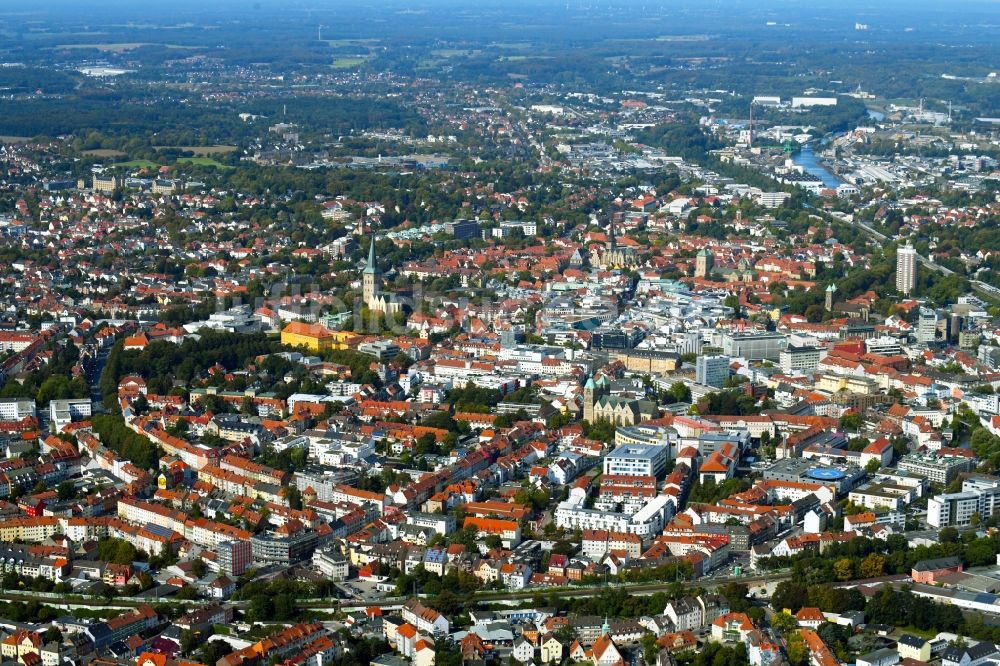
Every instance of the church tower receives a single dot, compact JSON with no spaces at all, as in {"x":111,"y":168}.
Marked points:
{"x":703,"y":263}
{"x":828,"y":301}
{"x":589,"y":397}
{"x":371,"y":277}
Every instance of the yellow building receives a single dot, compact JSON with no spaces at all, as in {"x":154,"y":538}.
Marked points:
{"x":836,"y":383}
{"x":343,"y":339}
{"x":311,"y":336}
{"x":104,"y":183}
{"x":20,"y":644}
{"x":648,"y":361}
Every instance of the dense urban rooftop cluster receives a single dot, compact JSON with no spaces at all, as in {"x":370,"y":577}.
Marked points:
{"x":404,"y":364}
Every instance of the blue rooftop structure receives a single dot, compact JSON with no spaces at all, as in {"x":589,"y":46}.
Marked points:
{"x":825,"y":474}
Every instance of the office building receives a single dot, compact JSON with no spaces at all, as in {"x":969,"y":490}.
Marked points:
{"x":615,"y":337}
{"x":906,"y":269}
{"x":884,"y":346}
{"x":979,"y":496}
{"x":754,"y":346}
{"x":927,"y":323}
{"x":952,"y":509}
{"x":712,"y":370}
{"x":274,"y":548}
{"x":234,"y":557}
{"x":461,"y":229}
{"x":64,"y":412}
{"x":383,"y":350}
{"x":934,"y":468}
{"x":636,"y":460}
{"x":331,"y":563}
{"x":15,"y":409}
{"x":799,"y":360}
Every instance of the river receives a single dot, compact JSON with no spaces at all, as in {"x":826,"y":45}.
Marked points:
{"x":806,"y":159}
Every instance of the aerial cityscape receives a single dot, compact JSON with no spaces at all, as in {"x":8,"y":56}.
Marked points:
{"x":500,"y":333}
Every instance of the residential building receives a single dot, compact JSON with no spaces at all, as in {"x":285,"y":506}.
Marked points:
{"x":331,"y":563}
{"x":285,"y":549}
{"x":462,"y":229}
{"x":731,"y":628}
{"x":906,"y":269}
{"x":983,"y":652}
{"x":551,"y":650}
{"x":425,"y":619}
{"x":914,"y":647}
{"x":881,"y":657}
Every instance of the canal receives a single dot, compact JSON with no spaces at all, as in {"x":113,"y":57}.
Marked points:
{"x":806,"y":159}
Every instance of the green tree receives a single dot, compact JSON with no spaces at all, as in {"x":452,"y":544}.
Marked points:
{"x":116,"y":551}
{"x":66,"y":490}
{"x":851,"y":421}
{"x":198,"y":568}
{"x":872,"y":566}
{"x":798,"y":653}
{"x":650,"y":648}
{"x":52,"y":635}
{"x":293,"y":496}
{"x":190,"y":640}
{"x":789,"y":594}
{"x":843,"y":569}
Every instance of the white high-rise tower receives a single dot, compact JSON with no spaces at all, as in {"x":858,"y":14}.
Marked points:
{"x":906,"y":269}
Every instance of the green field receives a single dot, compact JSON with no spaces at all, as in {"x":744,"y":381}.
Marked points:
{"x":349,"y":62}
{"x":204,"y":151}
{"x":682,"y":38}
{"x":522,"y":58}
{"x":203,"y":161}
{"x":138,"y":164}
{"x":123,"y":46}
{"x":103,"y":152}
{"x":512,"y":46}
{"x":351,"y":42}
{"x":455,"y":53}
